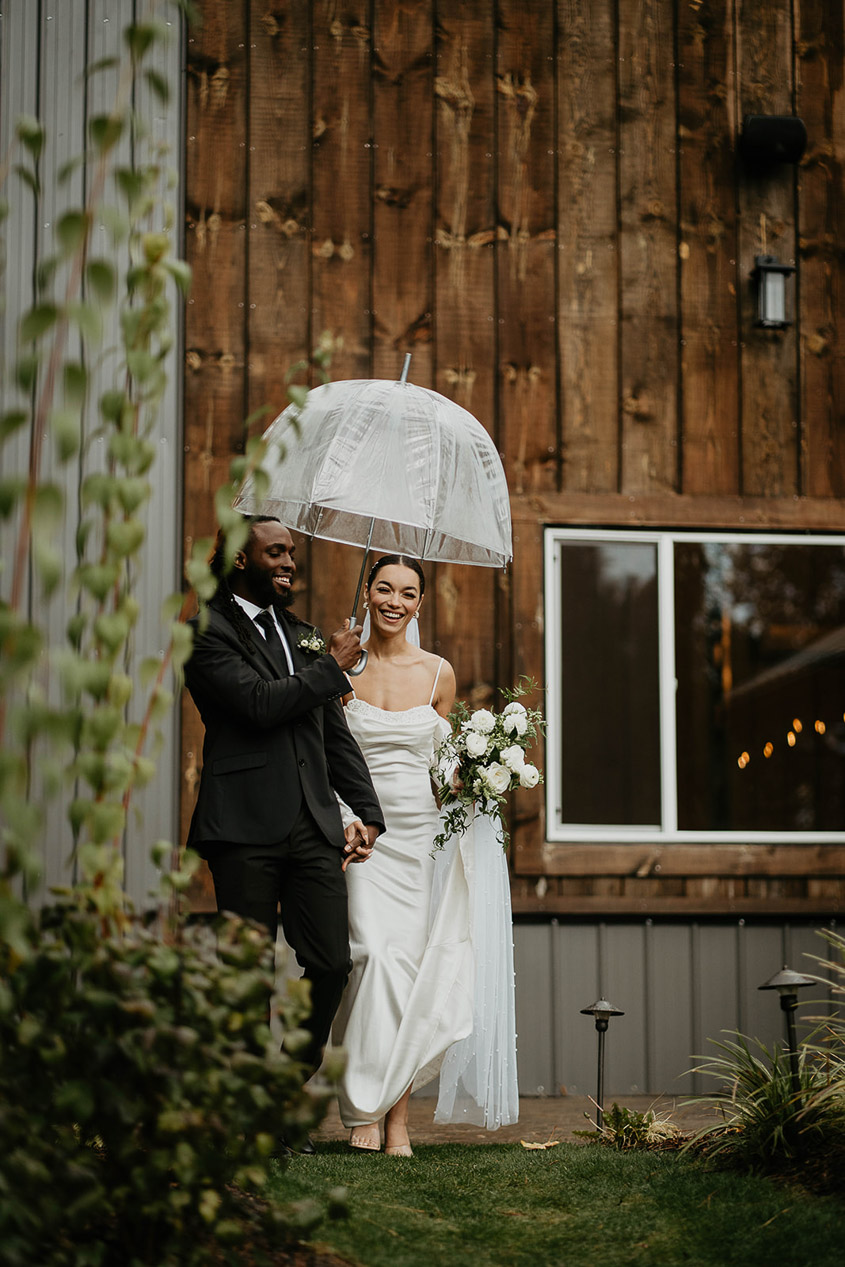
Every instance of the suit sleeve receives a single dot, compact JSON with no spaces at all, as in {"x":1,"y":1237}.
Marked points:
{"x":219,"y":674}
{"x":347,"y":768}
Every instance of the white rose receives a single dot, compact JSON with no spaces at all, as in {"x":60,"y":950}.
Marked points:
{"x":476,"y":743}
{"x":513,"y":757}
{"x":529,"y":775}
{"x":482,"y":720}
{"x":513,"y":707}
{"x":497,"y":777}
{"x":515,"y":723}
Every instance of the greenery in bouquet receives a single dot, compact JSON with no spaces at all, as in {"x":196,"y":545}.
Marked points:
{"x":484,"y":760}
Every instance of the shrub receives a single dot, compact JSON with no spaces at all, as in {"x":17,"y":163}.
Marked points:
{"x":765,"y":1125}
{"x":827,"y":1049}
{"x":762,"y":1120}
{"x":623,"y":1129}
{"x":138,"y":1083}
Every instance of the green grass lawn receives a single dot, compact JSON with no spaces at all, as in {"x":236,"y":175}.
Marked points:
{"x":573,"y":1204}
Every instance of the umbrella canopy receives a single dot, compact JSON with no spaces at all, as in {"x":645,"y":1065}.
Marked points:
{"x":387,"y":464}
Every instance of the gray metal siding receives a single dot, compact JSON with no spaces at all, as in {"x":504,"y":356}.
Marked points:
{"x":578,"y":977}
{"x":679,"y":984}
{"x":46,"y":49}
{"x":535,"y":1020}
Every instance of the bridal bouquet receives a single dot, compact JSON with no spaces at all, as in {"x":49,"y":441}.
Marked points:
{"x":483,"y":760}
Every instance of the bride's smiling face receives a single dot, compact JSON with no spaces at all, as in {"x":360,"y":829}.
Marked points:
{"x":394,"y":597}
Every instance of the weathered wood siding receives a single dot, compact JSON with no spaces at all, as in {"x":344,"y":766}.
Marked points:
{"x":546,"y":204}
{"x":46,"y":51}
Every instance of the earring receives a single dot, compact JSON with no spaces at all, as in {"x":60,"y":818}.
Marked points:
{"x":366,"y":605}
{"x":417,"y":614}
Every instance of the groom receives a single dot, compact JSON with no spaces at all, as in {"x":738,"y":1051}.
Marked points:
{"x":276,"y":747}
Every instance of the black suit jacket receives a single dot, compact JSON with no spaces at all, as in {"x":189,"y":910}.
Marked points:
{"x":272,"y":739}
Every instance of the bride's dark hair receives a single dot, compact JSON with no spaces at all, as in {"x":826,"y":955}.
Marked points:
{"x":404,"y":561}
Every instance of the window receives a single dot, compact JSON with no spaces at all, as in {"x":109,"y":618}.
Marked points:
{"x":696,"y":686}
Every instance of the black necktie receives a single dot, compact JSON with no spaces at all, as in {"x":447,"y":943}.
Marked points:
{"x":273,"y":639}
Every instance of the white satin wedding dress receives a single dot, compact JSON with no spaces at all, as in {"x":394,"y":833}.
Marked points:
{"x":431,"y":988}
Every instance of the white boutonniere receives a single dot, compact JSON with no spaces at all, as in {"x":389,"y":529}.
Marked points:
{"x":311,"y":641}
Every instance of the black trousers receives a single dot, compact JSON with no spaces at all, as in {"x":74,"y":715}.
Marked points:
{"x":302,"y":877}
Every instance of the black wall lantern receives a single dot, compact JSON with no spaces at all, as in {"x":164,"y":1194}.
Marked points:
{"x":770,"y":276}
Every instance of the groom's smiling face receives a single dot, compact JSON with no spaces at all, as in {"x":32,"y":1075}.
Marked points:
{"x":264,"y":569}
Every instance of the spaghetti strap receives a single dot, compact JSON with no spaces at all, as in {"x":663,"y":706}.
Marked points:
{"x":436,"y":679}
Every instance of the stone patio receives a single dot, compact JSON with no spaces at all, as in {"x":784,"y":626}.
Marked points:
{"x":540,"y":1119}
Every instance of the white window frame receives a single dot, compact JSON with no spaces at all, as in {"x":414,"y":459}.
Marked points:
{"x":667,"y":830}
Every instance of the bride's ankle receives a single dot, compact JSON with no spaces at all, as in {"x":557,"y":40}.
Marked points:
{"x":396,"y":1129}
{"x":396,"y":1140}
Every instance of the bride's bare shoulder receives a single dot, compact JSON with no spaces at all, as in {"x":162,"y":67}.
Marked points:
{"x":428,"y":658}
{"x":430,"y":661}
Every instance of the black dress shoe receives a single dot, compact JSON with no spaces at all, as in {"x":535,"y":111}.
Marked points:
{"x":306,"y":1148}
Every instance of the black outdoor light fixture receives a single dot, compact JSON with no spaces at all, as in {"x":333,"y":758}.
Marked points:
{"x":601,"y":1011}
{"x":770,"y":276}
{"x":770,"y":139}
{"x":788,"y":983}
{"x":766,"y":143}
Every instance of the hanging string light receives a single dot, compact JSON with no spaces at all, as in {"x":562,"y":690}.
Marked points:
{"x":819,"y":726}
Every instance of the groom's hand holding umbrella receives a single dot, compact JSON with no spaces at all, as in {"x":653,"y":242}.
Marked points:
{"x":345,"y":646}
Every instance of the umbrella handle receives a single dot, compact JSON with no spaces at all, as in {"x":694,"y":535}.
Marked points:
{"x":362,"y":663}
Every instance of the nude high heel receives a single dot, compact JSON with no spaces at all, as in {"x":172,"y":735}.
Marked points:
{"x":365,"y":1139}
{"x":398,"y":1150}
{"x":402,"y":1148}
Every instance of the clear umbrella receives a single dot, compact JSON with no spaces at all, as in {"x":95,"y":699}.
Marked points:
{"x":389,"y":465}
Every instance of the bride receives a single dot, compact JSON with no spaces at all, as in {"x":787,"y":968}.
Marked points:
{"x":420,"y":928}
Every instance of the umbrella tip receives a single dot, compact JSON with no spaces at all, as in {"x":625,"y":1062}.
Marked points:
{"x":404,"y":375}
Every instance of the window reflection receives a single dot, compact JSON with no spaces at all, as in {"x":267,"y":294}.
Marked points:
{"x":760,"y":645}
{"x":610,"y":740}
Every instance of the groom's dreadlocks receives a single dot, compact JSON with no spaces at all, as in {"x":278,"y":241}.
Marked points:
{"x":231,"y":609}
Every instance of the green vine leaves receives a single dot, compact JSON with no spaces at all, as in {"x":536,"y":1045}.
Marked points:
{"x":90,"y":370}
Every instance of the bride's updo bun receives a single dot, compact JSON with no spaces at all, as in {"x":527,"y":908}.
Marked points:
{"x":403,"y":560}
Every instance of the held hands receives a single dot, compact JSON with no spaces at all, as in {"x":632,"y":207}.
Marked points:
{"x":345,"y":646}
{"x":359,"y":842}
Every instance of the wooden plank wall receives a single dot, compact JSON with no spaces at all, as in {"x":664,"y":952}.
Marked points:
{"x":547,"y":205}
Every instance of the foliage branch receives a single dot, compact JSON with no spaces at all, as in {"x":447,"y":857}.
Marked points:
{"x":138,"y":1078}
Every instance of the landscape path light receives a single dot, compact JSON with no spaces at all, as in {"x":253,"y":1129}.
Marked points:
{"x":788,"y":983}
{"x":601,"y":1011}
